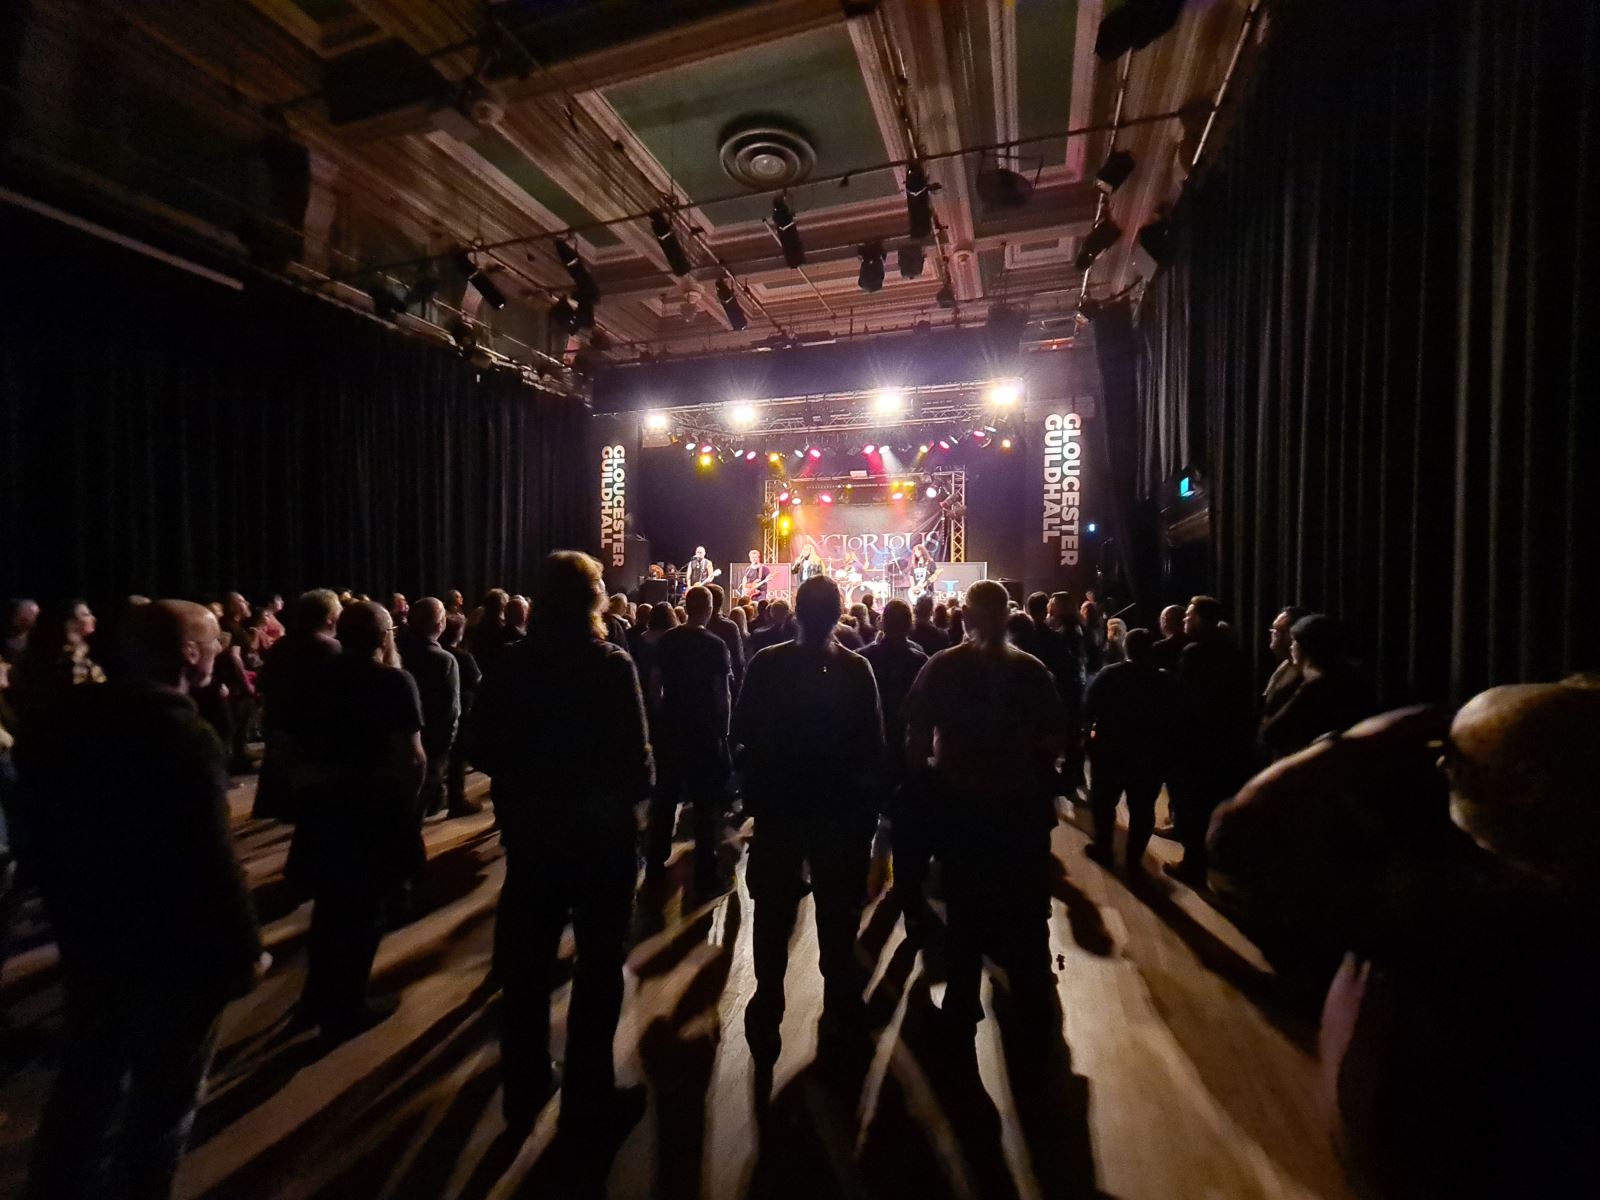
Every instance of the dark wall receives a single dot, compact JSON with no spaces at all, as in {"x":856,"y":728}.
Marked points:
{"x":1377,"y":339}
{"x":163,"y":434}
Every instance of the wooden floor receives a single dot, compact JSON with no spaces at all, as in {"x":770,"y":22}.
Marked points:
{"x":1175,"y":1075}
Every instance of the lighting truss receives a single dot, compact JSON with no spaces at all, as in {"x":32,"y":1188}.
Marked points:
{"x":802,"y":419}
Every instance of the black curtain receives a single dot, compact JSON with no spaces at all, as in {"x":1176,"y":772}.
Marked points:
{"x":165,"y":435}
{"x":1377,"y":339}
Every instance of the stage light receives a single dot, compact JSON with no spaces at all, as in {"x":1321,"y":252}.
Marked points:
{"x":794,"y":501}
{"x":886,"y":401}
{"x":661,"y":226}
{"x":485,"y":287}
{"x":1118,"y":166}
{"x":826,"y":497}
{"x":1004,"y":393}
{"x":782,"y":496}
{"x":742,"y":415}
{"x":919,"y":202}
{"x":794,"y":253}
{"x":1092,"y":527}
{"x":868,"y":449}
{"x":922,"y":449}
{"x":1001,"y":188}
{"x":774,"y":458}
{"x":931,"y":492}
{"x":1005,"y":443}
{"x":749,"y":456}
{"x":799,"y":453}
{"x":1134,"y":26}
{"x":729,"y":300}
{"x":583,"y":284}
{"x":1099,"y":239}
{"x":912,"y":260}
{"x":814,"y":452}
{"x":692,"y":447}
{"x":943,"y":444}
{"x":705,"y":460}
{"x":946,"y":297}
{"x":1156,"y":238}
{"x":656,"y":421}
{"x":784,"y":525}
{"x":870,"y":278}
{"x":387,"y":304}
{"x":896,"y":496}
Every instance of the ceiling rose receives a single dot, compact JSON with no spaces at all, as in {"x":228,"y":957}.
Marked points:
{"x":762,"y":153}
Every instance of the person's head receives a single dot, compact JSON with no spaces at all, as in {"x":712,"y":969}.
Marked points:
{"x":1115,"y":629}
{"x":956,"y":626}
{"x":1089,"y":613}
{"x":859,"y":612}
{"x":19,"y":618}
{"x":494,"y":605}
{"x":761,"y":609}
{"x":455,"y":628}
{"x":63,"y":625}
{"x":1316,"y":641}
{"x":662,"y":618}
{"x":1522,"y":762}
{"x":697,"y":603}
{"x":316,"y":611}
{"x":366,"y":629}
{"x":817,"y":607}
{"x":699,"y":552}
{"x":517,"y":609}
{"x":896,"y":621}
{"x":779,"y":612}
{"x":1278,"y":639}
{"x":1171,"y":620}
{"x":399,"y":608}
{"x":755,"y":557}
{"x":941,"y":616}
{"x":986,"y":610}
{"x":1202,"y":616}
{"x":1019,"y":626}
{"x":1061,"y":614}
{"x":171,"y":642}
{"x":235,"y":607}
{"x":641,"y":615}
{"x":924,"y":609}
{"x":805,"y":551}
{"x":741,"y":618}
{"x":1137,"y":645}
{"x":568,"y":590}
{"x":719,"y":598}
{"x":426,"y":618}
{"x":1038,"y":607}
{"x":617,"y":606}
{"x":867,"y":601}
{"x":679,"y":615}
{"x":454,"y":602}
{"x":848,"y":621}
{"x":919,"y":553}
{"x":276,"y":603}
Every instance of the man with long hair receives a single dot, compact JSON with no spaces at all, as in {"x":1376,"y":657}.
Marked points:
{"x":560,"y":729}
{"x":815,"y":689}
{"x":985,"y":721}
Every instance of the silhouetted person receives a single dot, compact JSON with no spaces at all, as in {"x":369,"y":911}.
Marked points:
{"x":16,"y":623}
{"x":1218,"y":740}
{"x":57,"y":659}
{"x":724,"y":628}
{"x":690,"y":677}
{"x":399,"y":609}
{"x":989,"y":720}
{"x":1286,"y":673}
{"x":124,"y":826}
{"x":282,"y":684}
{"x":924,"y":632}
{"x":1168,"y":650}
{"x":896,"y":662}
{"x":561,"y":731}
{"x":1329,"y":697}
{"x":780,"y":627}
{"x":808,"y":691}
{"x":359,"y":766}
{"x":1061,"y":615}
{"x":487,"y":632}
{"x":470,"y":677}
{"x":433,"y":669}
{"x":1132,"y":713}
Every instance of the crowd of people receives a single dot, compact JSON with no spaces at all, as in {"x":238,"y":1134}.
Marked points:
{"x":950,"y":731}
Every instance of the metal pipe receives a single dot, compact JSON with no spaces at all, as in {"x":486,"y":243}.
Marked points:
{"x":1250,"y":19}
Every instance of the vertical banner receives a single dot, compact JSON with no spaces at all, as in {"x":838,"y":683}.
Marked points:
{"x":1057,"y":557}
{"x":614,"y":461}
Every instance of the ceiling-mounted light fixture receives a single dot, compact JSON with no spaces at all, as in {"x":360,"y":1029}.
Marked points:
{"x":1001,"y":188}
{"x":667,"y":237}
{"x":1114,"y":173}
{"x":919,"y":202}
{"x":480,"y":282}
{"x":794,"y":253}
{"x":565,"y":314}
{"x":912,"y":260}
{"x":387,"y":304}
{"x":1100,"y":239}
{"x":1156,"y":238}
{"x":946,"y":297}
{"x":729,"y":299}
{"x":584,"y":288}
{"x":870,"y":278}
{"x":1134,"y":25}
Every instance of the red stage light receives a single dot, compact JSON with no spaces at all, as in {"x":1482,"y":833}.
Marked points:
{"x":868,"y":449}
{"x":815,"y":453}
{"x":943,"y":445}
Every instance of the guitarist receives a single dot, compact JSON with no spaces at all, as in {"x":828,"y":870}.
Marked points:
{"x":699,"y":571}
{"x":753,"y":588}
{"x":923,"y":572}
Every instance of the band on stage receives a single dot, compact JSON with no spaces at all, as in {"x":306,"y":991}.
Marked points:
{"x":905,"y":577}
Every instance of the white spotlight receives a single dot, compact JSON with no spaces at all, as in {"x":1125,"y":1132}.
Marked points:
{"x":655,"y":421}
{"x":888,"y":400}
{"x":742,"y":415}
{"x":1004,"y":393}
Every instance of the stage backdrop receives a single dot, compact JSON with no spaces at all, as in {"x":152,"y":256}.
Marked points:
{"x":876,"y":533}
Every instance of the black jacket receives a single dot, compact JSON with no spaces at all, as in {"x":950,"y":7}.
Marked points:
{"x":438,"y":681}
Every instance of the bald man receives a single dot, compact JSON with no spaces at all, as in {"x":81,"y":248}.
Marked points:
{"x":438,"y":681}
{"x":123,"y":814}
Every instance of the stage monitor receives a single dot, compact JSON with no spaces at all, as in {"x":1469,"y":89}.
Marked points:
{"x":955,"y":578}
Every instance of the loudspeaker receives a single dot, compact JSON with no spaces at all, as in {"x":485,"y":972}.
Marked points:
{"x":652,"y":591}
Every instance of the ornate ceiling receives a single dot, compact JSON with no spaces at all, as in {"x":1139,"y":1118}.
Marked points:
{"x":434,"y":124}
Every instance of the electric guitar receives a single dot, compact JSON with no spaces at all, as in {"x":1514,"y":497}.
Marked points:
{"x":922,"y":580}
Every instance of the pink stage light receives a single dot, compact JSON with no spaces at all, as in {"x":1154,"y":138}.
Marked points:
{"x":826,"y":498}
{"x":749,"y":456}
{"x":943,"y":445}
{"x":869,"y":449}
{"x":815,"y":453}
{"x":782,"y":496}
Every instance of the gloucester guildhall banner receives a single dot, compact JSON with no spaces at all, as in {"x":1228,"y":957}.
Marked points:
{"x":1056,"y":556}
